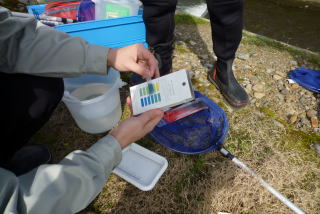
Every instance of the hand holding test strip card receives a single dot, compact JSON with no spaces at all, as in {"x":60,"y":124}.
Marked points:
{"x":163,"y":92}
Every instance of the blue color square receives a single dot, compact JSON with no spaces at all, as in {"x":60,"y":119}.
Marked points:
{"x":152,"y":100}
{"x":142,"y":103}
{"x":145,"y":101}
{"x":150,"y":87}
{"x":149,"y":100}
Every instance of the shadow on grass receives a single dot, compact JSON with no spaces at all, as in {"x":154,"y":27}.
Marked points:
{"x":194,"y":41}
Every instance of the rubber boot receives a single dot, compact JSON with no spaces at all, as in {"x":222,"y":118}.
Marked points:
{"x":223,"y":78}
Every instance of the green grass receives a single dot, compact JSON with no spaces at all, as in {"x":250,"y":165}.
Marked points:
{"x":241,"y":143}
{"x":248,"y":38}
{"x":198,"y":166}
{"x":189,"y":19}
{"x":267,"y":111}
{"x":181,"y":49}
{"x":294,"y":139}
{"x":222,"y":105}
{"x":196,"y":171}
{"x":301,"y":141}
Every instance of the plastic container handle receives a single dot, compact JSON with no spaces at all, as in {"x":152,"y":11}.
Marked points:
{"x":121,"y":83}
{"x":69,"y":97}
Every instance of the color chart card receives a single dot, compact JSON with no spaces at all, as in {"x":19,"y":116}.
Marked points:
{"x":167,"y":91}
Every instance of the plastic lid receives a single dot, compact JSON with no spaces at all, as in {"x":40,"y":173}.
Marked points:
{"x":141,"y":167}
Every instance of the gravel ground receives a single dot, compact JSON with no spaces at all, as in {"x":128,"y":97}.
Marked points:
{"x":277,"y":135}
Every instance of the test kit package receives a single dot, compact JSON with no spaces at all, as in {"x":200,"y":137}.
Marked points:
{"x":163,"y":92}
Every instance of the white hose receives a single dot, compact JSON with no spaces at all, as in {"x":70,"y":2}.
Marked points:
{"x":281,"y":197}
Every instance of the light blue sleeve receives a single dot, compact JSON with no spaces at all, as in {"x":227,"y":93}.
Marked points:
{"x":66,"y":187}
{"x":27,"y":46}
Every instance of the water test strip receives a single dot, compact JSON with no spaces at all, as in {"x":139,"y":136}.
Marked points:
{"x":166,"y":91}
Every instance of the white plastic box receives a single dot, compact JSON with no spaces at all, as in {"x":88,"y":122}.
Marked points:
{"x":141,"y":167}
{"x":105,"y":9}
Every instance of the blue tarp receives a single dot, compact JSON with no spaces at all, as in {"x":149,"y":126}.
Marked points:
{"x":307,"y":78}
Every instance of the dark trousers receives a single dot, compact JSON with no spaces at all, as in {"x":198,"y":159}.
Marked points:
{"x":26,"y":105}
{"x":226,"y":18}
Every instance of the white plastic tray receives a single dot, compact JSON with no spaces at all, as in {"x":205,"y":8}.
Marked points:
{"x":141,"y":167}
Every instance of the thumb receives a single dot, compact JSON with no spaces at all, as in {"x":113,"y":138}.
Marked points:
{"x":152,"y":123}
{"x":129,"y":102}
{"x":148,"y":116}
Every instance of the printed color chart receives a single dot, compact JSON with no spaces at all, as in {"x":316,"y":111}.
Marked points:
{"x":163,"y":92}
{"x":147,"y":98}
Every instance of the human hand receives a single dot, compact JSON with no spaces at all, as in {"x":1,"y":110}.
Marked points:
{"x":135,"y":128}
{"x":134,"y":58}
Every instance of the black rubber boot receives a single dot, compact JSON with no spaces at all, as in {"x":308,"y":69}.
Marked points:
{"x":223,"y":78}
{"x":27,"y":159}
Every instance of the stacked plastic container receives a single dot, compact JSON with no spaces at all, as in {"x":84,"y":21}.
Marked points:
{"x":116,"y":8}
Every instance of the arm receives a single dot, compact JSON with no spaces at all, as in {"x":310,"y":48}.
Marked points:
{"x":69,"y":186}
{"x":27,"y":46}
{"x":66,"y":187}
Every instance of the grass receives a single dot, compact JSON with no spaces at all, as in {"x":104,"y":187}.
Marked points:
{"x":189,"y":19}
{"x":210,"y":183}
{"x":294,"y":139}
{"x":195,"y":171}
{"x":249,"y":38}
{"x":273,"y":115}
{"x":181,"y":49}
{"x":241,"y":143}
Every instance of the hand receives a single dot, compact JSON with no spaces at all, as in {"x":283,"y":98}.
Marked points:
{"x":135,"y":128}
{"x":134,"y":58}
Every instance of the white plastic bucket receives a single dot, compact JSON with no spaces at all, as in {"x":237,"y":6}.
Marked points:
{"x":105,"y":9}
{"x":94,"y":101}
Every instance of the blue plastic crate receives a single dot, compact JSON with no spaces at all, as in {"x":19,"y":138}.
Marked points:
{"x":114,"y":33}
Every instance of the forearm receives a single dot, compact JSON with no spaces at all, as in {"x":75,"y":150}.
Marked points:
{"x":29,"y":47}
{"x":69,"y":186}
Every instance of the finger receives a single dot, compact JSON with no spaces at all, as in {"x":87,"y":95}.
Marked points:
{"x":157,"y":72}
{"x":153,"y":66}
{"x":152,"y":123}
{"x":150,"y":61}
{"x":147,"y":68}
{"x":154,"y":69}
{"x":129,"y":102}
{"x":149,"y":115}
{"x":137,"y":68}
